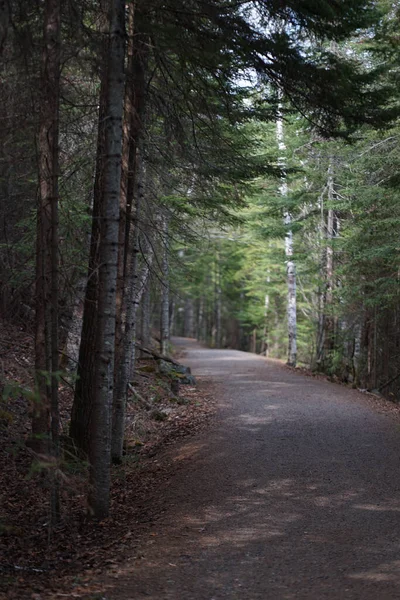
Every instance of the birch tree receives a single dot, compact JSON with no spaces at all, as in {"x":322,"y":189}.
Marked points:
{"x":290,"y":265}
{"x":135,"y":283}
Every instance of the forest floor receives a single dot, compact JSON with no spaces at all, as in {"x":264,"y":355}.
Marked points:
{"x":38,"y":562}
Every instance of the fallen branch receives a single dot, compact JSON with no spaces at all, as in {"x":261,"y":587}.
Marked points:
{"x":139,"y":397}
{"x":382,"y":387}
{"x":157,"y":355}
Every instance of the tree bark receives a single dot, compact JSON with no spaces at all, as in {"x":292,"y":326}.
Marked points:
{"x":4,"y":22}
{"x":200,"y":320}
{"x":46,"y":332}
{"x":100,"y":431}
{"x":84,"y":397}
{"x":165,"y":335}
{"x":290,"y":265}
{"x":329,"y":325}
{"x":264,"y":340}
{"x":218,"y":303}
{"x":132,"y":127}
{"x":135,"y":283}
{"x":146,"y":316}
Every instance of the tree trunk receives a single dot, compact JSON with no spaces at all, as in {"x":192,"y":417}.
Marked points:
{"x":172,"y":307}
{"x":292,"y":325}
{"x":329,"y":326}
{"x":84,"y":397}
{"x":146,"y":314}
{"x":218,"y":304}
{"x":200,"y":320}
{"x":46,"y":332}
{"x":165,"y":335}
{"x":4,"y":22}
{"x":189,"y":318}
{"x":134,"y":108}
{"x":135,"y":283}
{"x":264,"y":340}
{"x":254,"y":341}
{"x":290,"y":265}
{"x":100,"y":431}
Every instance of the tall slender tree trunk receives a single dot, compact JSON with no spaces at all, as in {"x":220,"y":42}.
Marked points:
{"x":134,"y":108}
{"x":189,"y":317}
{"x":218,"y":303}
{"x":165,"y":332}
{"x":135,"y":283}
{"x":200,"y":320}
{"x":329,"y":324}
{"x":146,"y":315}
{"x":100,"y":432}
{"x":132,"y":186}
{"x":172,"y":310}
{"x":320,"y":341}
{"x":253,"y":347}
{"x":290,"y":265}
{"x":4,"y":22}
{"x":264,"y":341}
{"x":46,"y":333}
{"x":84,"y":397}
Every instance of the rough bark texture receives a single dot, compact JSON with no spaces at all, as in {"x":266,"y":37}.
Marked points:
{"x":146,"y":315}
{"x":127,"y":365}
{"x":100,"y":432}
{"x":4,"y":22}
{"x":329,"y":324}
{"x":200,"y":319}
{"x":129,"y":149}
{"x":135,"y":282}
{"x":165,"y":335}
{"x":217,"y":329}
{"x":326,"y":321}
{"x":132,"y":185}
{"x":291,"y":302}
{"x":46,"y":333}
{"x":84,"y":388}
{"x":290,"y":265}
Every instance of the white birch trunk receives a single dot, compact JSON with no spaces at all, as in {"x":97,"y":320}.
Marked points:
{"x":135,"y":283}
{"x":329,"y":324}
{"x":264,"y":341}
{"x":329,"y":237}
{"x":218,"y":304}
{"x":290,"y":265}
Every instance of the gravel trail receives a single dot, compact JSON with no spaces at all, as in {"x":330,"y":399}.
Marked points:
{"x":293,"y":493}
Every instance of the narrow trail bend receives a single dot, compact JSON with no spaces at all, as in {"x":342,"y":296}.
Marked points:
{"x":293,"y":493}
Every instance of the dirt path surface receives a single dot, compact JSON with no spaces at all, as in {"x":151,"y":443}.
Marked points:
{"x":294,"y":492}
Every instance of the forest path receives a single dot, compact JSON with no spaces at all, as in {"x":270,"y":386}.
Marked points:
{"x":293,"y":493}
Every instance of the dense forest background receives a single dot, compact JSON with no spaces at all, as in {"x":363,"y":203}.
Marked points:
{"x":213,"y":169}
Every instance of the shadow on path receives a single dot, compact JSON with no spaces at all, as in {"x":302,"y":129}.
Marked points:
{"x":292,"y":494}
